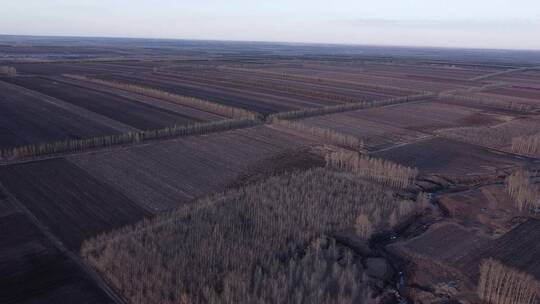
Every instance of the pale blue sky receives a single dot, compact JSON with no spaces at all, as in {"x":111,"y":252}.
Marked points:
{"x":451,"y":23}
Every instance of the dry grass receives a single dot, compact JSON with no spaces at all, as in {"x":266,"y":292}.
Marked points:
{"x":331,"y":136}
{"x":68,"y":146}
{"x":8,"y":71}
{"x":251,"y":245}
{"x":500,"y":284}
{"x":304,"y":113}
{"x":196,"y":103}
{"x":525,"y":194}
{"x":528,"y":145}
{"x":379,"y":170}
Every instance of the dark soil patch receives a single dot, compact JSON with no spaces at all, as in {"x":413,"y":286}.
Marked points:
{"x":67,"y":200}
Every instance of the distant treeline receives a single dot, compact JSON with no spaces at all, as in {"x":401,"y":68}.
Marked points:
{"x":305,"y":113}
{"x":192,"y":102}
{"x":68,"y":146}
{"x":379,"y":170}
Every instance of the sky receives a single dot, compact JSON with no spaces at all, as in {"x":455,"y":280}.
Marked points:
{"x":505,"y":24}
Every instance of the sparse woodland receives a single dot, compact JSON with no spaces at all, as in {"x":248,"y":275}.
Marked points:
{"x":8,"y":71}
{"x":200,"y":104}
{"x":258,"y":244}
{"x":524,"y":193}
{"x":500,"y":284}
{"x":379,"y":170}
{"x":331,"y":136}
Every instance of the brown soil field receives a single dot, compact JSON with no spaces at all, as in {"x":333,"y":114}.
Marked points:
{"x":295,"y":86}
{"x":129,"y":112}
{"x":399,"y":80}
{"x":428,"y":116}
{"x":27,"y":119}
{"x":71,"y":203}
{"x":487,"y":208}
{"x":195,"y":114}
{"x":436,"y":256}
{"x":35,"y":271}
{"x":516,"y":91}
{"x":527,"y":79}
{"x":244,"y":96}
{"x":374,"y":135}
{"x":166,"y":174}
{"x":452,"y":158}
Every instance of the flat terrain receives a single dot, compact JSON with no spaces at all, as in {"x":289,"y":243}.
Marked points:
{"x":161,"y":176}
{"x":138,"y":115}
{"x":26,"y":118}
{"x":448,"y":157}
{"x":68,"y":201}
{"x":130,"y":171}
{"x":34,"y":270}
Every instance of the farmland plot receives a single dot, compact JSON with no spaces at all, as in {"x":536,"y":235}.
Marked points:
{"x":34,"y":271}
{"x":72,"y":204}
{"x":141,"y":116}
{"x":165,"y":174}
{"x":254,"y":101}
{"x":27,"y":119}
{"x":448,"y":157}
{"x":374,"y":135}
{"x":295,"y":87}
{"x":428,"y":116}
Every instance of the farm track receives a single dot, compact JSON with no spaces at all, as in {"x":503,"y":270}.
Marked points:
{"x":90,"y":272}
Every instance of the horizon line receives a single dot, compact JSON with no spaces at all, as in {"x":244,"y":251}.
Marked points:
{"x":274,"y":42}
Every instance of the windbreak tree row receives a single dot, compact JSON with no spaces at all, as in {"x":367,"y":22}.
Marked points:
{"x":196,"y":103}
{"x":70,"y":146}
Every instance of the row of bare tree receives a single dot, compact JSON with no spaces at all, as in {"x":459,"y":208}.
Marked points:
{"x":68,"y":146}
{"x":528,"y":145}
{"x":380,"y":170}
{"x":498,"y":103}
{"x":524,"y":192}
{"x":331,"y":136}
{"x":304,"y":113}
{"x":500,"y":284}
{"x":192,"y":102}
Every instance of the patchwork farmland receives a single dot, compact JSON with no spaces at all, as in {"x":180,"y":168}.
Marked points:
{"x":147,"y":171}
